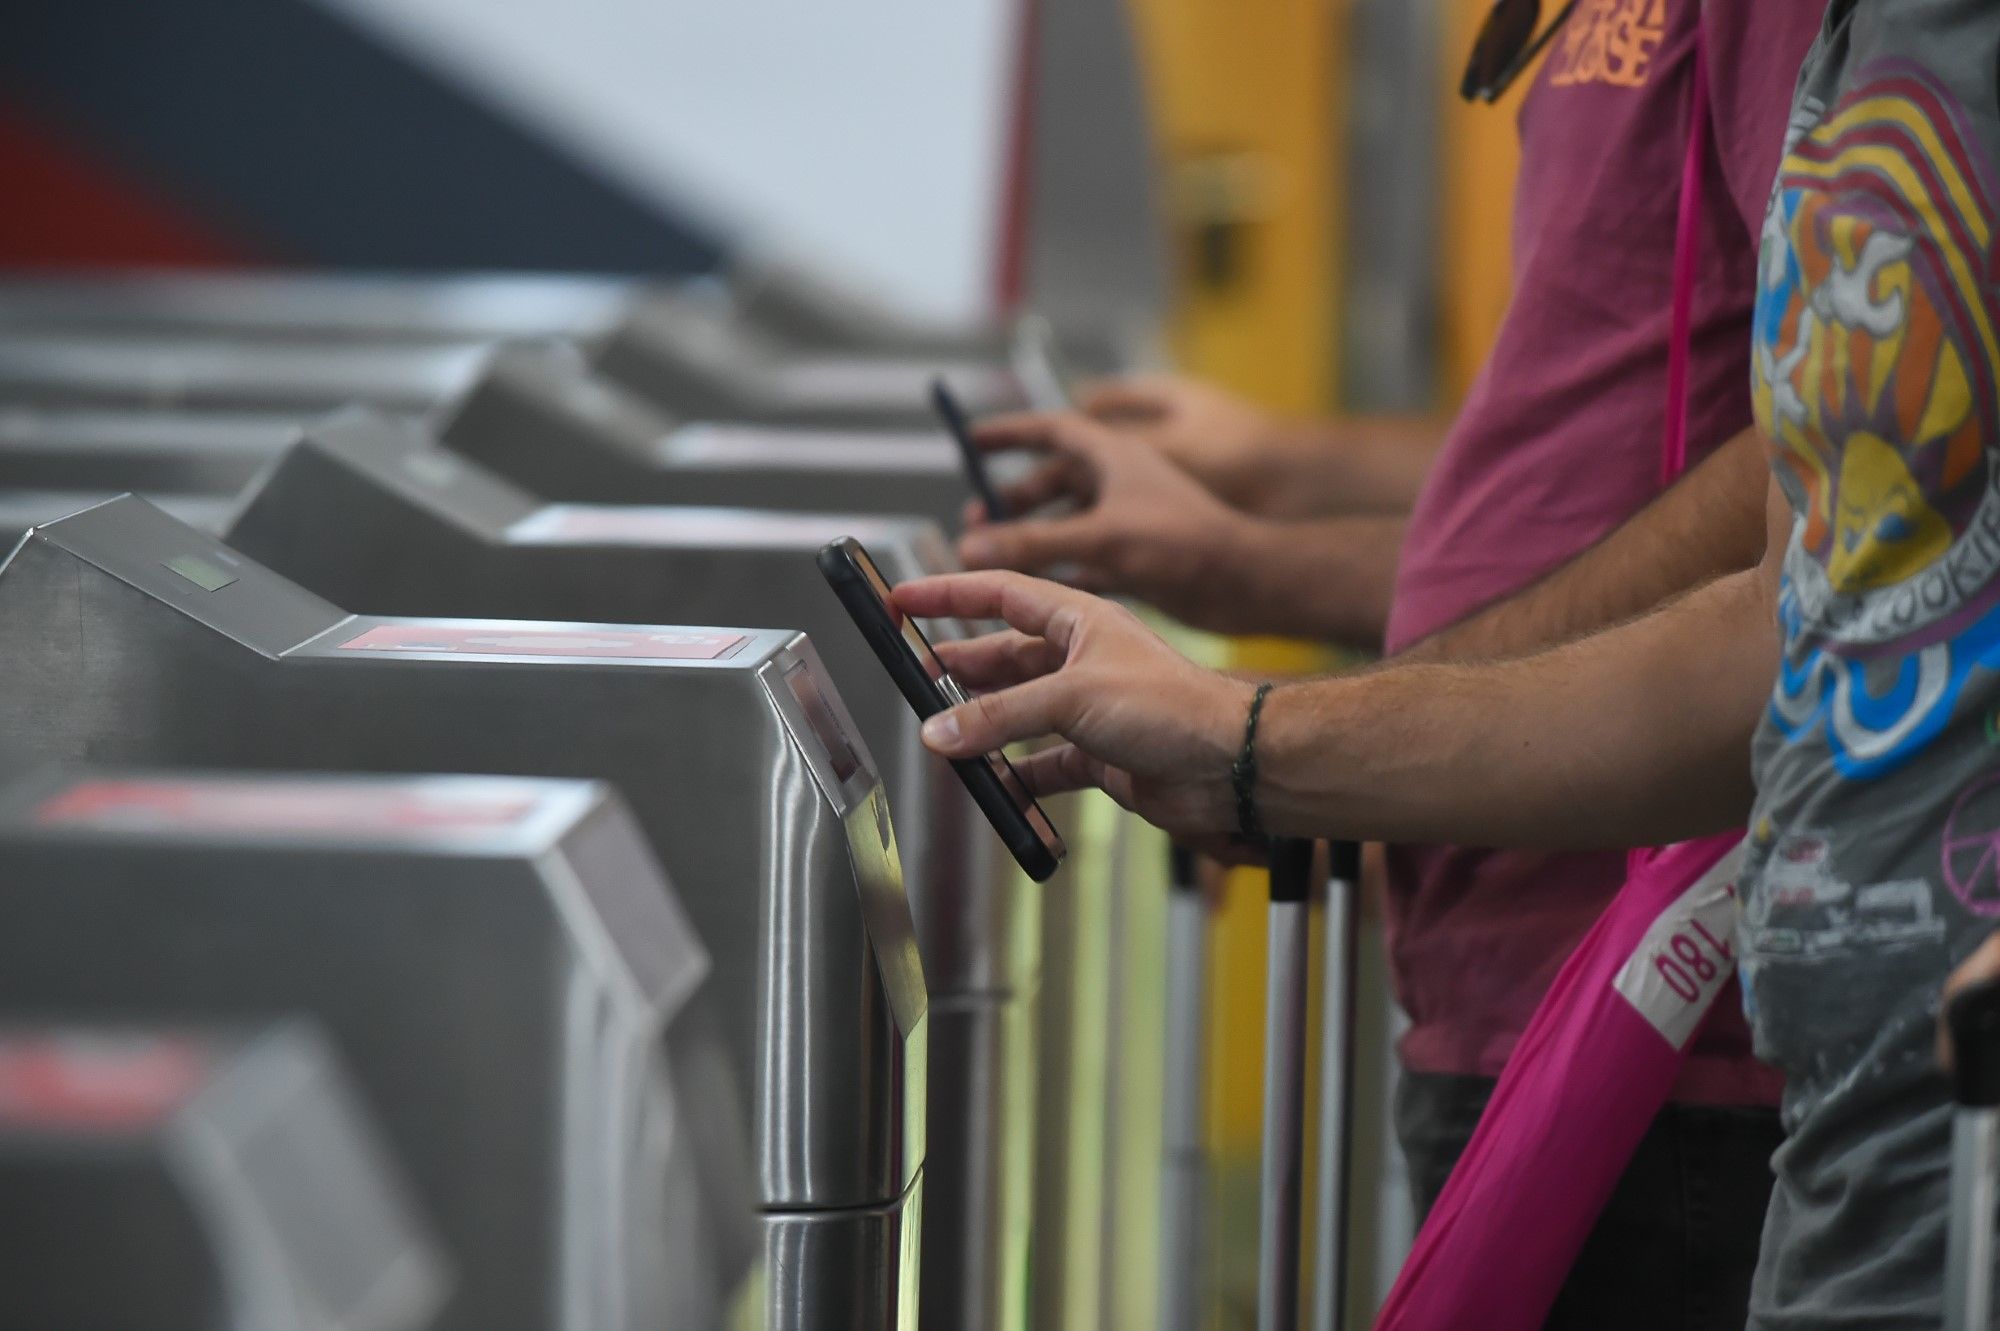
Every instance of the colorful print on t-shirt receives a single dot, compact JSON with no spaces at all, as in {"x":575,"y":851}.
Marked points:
{"x":1876,"y":366}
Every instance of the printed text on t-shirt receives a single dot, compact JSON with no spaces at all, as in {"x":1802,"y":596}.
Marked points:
{"x":1609,"y":41}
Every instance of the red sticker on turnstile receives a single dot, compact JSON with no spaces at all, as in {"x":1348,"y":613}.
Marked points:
{"x":278,"y":806}
{"x":96,"y":1082}
{"x":528,"y":640}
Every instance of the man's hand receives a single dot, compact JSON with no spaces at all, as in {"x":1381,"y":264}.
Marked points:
{"x":1155,"y":731}
{"x":1213,"y":435}
{"x":1149,"y":530}
{"x":1267,"y":465}
{"x":1145,"y":528}
{"x":1983,"y":964}
{"x":1141,"y":526}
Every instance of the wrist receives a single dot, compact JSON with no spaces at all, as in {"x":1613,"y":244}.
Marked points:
{"x":1243,"y":771}
{"x":1328,"y":581}
{"x":1286,"y":460}
{"x":1306,"y":742}
{"x":1224,"y":717}
{"x":1218,"y":571}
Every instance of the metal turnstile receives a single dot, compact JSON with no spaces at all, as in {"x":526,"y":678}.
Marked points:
{"x":532,"y":418}
{"x":214,"y":373}
{"x":157,"y":454}
{"x":537,"y":417}
{"x":22,"y":509}
{"x":667,"y":352}
{"x":179,"y":1179}
{"x":132,"y":638}
{"x":776,"y":311}
{"x":366,"y":512}
{"x":211,"y":348}
{"x":55,"y":461}
{"x":801,"y":305}
{"x":515,"y":988}
{"x":322,"y":305}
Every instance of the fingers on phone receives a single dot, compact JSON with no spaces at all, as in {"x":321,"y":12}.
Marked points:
{"x":1031,"y":605}
{"x":998,"y":660}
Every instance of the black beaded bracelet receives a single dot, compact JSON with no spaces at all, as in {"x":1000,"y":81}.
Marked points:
{"x":1243,"y":772}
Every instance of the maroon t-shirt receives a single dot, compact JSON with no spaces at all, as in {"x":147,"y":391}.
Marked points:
{"x":1559,"y":441}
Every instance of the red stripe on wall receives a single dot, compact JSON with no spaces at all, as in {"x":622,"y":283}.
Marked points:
{"x":65,"y":206}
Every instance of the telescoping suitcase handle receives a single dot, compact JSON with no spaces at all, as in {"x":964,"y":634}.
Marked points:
{"x":1184,"y":1170}
{"x":1279,"y":1255}
{"x":1281,"y":1196}
{"x":1336,"y":1085}
{"x":1974,"y":1022}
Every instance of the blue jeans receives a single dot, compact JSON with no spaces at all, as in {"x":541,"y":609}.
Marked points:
{"x":1676,"y":1244}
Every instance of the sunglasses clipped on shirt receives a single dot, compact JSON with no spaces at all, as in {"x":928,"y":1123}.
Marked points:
{"x":1507,"y":43}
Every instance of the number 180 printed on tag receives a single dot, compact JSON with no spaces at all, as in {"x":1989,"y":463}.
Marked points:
{"x":1687,"y":955}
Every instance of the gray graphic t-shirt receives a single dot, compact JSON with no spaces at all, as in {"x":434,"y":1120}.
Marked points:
{"x":1874,"y":861}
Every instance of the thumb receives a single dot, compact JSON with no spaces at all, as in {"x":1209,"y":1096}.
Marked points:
{"x":992,"y":721}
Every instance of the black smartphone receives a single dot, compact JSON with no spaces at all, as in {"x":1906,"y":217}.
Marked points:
{"x":906,"y":654}
{"x":945,"y":403}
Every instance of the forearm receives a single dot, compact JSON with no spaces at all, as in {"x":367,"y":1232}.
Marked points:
{"x":1330,"y":581}
{"x":1637,"y":736}
{"x":1321,"y":469}
{"x":1709,"y":524}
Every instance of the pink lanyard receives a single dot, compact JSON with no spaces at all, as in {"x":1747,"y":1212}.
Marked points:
{"x":1687,"y":246}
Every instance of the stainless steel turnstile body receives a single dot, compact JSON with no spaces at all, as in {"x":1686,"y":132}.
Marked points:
{"x":536,"y":416}
{"x":212,"y":373}
{"x":57,"y":461}
{"x":207,"y":342}
{"x":175,"y":1179}
{"x":323,"y":305}
{"x":669,"y":353}
{"x":562,"y":435}
{"x":87,"y":417}
{"x":514,"y":987}
{"x":22,"y":509}
{"x":133,"y":638}
{"x":776,"y":311}
{"x":153,"y":453}
{"x":366,"y":512}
